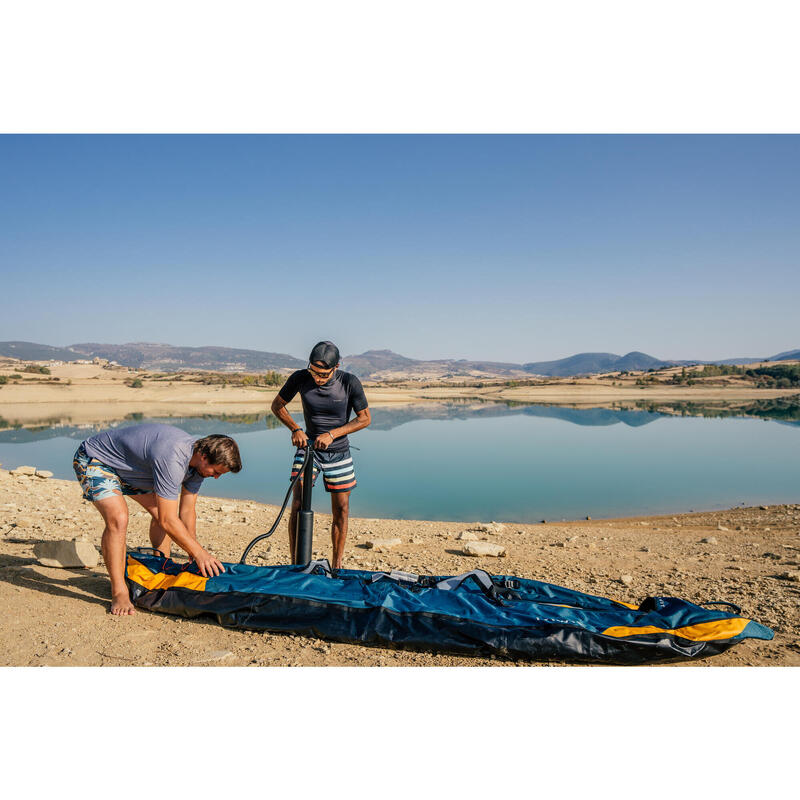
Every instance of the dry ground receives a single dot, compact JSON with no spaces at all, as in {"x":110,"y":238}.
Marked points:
{"x":91,"y":394}
{"x":60,"y":616}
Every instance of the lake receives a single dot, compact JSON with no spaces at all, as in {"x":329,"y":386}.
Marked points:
{"x":492,"y":461}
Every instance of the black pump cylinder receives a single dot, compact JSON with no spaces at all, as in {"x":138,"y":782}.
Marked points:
{"x":305,"y":517}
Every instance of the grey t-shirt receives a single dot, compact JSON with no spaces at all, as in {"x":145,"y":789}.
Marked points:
{"x":153,"y":457}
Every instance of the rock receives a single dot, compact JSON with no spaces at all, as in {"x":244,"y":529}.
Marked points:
{"x":708,"y":540}
{"x":383,"y":545}
{"x":416,"y":540}
{"x":771,"y":555}
{"x":226,"y":509}
{"x":588,"y":517}
{"x":557,"y":544}
{"x":24,"y":522}
{"x":497,"y":527}
{"x":644,"y":549}
{"x":467,"y":536}
{"x":626,"y":579}
{"x":484,"y":549}
{"x":721,"y":528}
{"x":44,"y":473}
{"x":764,"y":508}
{"x":792,"y":575}
{"x":216,"y":655}
{"x":24,"y":471}
{"x":66,"y":554}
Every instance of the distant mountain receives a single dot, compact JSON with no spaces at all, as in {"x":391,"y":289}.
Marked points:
{"x":166,"y":357}
{"x":370,"y":365}
{"x":789,"y":355}
{"x":590,"y":363}
{"x":384,"y":364}
{"x":29,"y":351}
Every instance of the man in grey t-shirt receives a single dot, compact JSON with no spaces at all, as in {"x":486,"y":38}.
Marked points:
{"x":161,"y":467}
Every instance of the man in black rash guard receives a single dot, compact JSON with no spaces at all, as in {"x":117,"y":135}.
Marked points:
{"x":328,"y":396}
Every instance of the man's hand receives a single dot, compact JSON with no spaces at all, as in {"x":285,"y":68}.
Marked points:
{"x":299,"y":438}
{"x":323,"y":441}
{"x":208,"y":565}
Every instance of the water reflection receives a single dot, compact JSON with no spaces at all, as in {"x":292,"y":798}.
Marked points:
{"x":783,"y":409}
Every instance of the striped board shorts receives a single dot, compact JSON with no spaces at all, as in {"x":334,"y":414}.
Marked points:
{"x":338,"y":472}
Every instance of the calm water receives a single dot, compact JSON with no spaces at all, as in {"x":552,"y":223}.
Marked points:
{"x":468,"y":462}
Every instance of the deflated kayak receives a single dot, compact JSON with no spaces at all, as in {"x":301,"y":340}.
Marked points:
{"x":475,"y":613}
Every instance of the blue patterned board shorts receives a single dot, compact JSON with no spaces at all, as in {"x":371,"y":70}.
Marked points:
{"x":97,"y":480}
{"x":338,"y":472}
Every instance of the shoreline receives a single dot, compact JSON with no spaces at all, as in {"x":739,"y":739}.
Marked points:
{"x":750,"y":556}
{"x":84,"y":394}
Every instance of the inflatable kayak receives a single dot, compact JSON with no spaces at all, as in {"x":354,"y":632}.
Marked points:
{"x":474,"y":613}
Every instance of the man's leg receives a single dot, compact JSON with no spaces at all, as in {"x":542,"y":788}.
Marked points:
{"x":159,"y":538}
{"x":340,"y":508}
{"x":114,"y":511}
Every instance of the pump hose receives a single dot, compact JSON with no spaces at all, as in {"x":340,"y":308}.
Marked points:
{"x":309,"y":451}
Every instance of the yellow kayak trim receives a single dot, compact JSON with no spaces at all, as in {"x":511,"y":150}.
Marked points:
{"x":702,"y":632}
{"x":138,"y":573}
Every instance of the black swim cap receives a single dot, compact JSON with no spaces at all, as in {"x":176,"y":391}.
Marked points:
{"x":326,"y":352}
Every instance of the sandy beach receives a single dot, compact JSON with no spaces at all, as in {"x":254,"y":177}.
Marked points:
{"x":749,"y":556}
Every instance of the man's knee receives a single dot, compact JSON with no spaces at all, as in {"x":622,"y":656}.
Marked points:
{"x":340,"y":505}
{"x":117,"y":522}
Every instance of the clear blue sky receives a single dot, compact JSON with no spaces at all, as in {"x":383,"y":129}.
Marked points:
{"x":511,"y":248}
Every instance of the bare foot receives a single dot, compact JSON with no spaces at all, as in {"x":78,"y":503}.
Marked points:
{"x":121,"y":604}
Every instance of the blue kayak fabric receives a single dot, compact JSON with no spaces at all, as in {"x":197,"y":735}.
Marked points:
{"x":477,"y":613}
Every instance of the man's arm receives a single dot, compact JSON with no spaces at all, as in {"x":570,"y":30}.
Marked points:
{"x":361,"y":420}
{"x":188,"y":512}
{"x":299,"y":438}
{"x":169,"y":520}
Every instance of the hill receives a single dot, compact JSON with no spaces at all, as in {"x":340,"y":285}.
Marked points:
{"x":387,"y":365}
{"x":30,"y":351}
{"x":166,"y":358}
{"x":590,"y":363}
{"x":369,"y":365}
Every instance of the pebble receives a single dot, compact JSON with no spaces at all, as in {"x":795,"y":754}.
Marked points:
{"x":721,"y":528}
{"x":709,"y":540}
{"x":383,"y":545}
{"x":44,"y":473}
{"x":216,"y":655}
{"x":467,"y":536}
{"x":24,"y":522}
{"x":484,"y":549}
{"x":626,"y":579}
{"x":792,"y":575}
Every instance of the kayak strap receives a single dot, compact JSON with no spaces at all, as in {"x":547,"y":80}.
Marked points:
{"x":492,"y":589}
{"x":735,"y":608}
{"x":395,"y":575}
{"x":497,"y":592}
{"x":320,"y":567}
